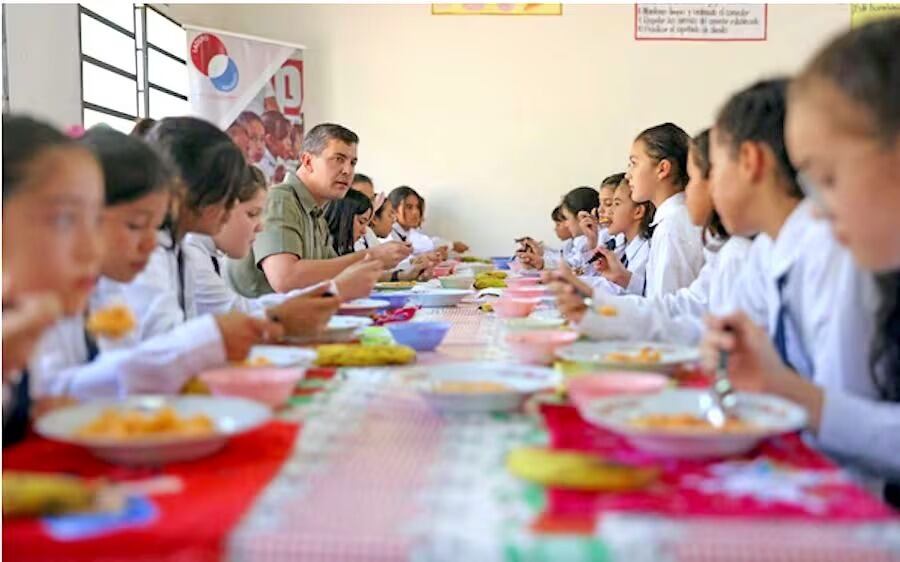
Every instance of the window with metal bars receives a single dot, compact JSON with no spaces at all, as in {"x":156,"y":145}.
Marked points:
{"x":132,"y":64}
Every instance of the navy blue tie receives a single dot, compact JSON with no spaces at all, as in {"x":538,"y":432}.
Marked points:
{"x":780,"y":336}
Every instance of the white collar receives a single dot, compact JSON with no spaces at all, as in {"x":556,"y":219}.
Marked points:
{"x":788,"y":247}
{"x":668,"y":208}
{"x":205,"y":242}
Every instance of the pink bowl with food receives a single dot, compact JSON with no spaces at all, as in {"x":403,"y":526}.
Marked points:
{"x":271,"y":386}
{"x":584,"y":388}
{"x":508,"y":307}
{"x":539,"y":346}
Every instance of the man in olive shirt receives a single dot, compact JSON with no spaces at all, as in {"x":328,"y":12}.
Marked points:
{"x":295,"y":249}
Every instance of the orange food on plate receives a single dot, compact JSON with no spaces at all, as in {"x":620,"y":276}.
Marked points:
{"x":645,"y":355}
{"x":131,"y":424}
{"x":688,"y":422}
{"x":607,"y":310}
{"x":113,"y":322}
{"x":470,"y":387}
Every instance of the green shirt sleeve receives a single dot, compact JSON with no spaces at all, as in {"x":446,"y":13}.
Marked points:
{"x":286,"y":227}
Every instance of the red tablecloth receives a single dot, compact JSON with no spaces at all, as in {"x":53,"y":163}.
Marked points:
{"x":192,"y":525}
{"x":707,"y":488}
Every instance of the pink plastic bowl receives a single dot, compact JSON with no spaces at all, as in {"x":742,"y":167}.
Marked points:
{"x":539,"y":347}
{"x":515,"y":308}
{"x":526,"y":292}
{"x":584,"y":388}
{"x":444,"y":270}
{"x":519,"y":282}
{"x":271,"y":386}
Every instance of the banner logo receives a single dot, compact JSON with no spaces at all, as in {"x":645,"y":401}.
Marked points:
{"x":210,"y":58}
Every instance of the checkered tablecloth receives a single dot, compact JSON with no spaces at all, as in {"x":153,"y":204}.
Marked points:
{"x":377,"y":476}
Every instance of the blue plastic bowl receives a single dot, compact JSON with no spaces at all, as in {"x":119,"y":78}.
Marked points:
{"x":421,"y":336}
{"x":501,"y":263}
{"x":394,"y":299}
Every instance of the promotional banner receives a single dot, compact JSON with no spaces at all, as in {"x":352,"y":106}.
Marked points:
{"x":253,"y":90}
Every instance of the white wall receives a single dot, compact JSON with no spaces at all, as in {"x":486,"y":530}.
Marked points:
{"x":44,"y":69}
{"x":494,"y":118}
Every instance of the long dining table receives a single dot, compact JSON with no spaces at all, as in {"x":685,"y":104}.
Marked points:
{"x":359,"y":467}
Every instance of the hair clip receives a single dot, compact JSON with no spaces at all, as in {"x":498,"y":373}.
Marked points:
{"x":75,"y":131}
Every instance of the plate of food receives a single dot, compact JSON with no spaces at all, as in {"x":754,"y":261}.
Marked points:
{"x":479,"y":386}
{"x":153,"y":430}
{"x":279,"y":356}
{"x":634,"y":356}
{"x":673,"y":424}
{"x":363,"y":307}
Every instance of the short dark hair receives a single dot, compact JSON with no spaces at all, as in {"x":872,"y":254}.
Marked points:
{"x":584,"y":198}
{"x":668,"y":142}
{"x":700,"y":155}
{"x":362,"y":178}
{"x":210,"y":166}
{"x":756,"y":114}
{"x":557,"y":215}
{"x":132,"y":169}
{"x":317,"y":138}
{"x":340,"y":214}
{"x":254,"y":182}
{"x":864,"y":65}
{"x":25,"y":140}
{"x":613,"y":180}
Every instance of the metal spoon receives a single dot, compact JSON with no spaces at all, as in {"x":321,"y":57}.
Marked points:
{"x":722,"y":396}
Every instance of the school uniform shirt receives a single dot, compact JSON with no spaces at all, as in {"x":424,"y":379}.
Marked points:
{"x":676,"y":317}
{"x":575,"y":256}
{"x":162,"y":296}
{"x":268,"y":164}
{"x":603,"y":241}
{"x":367,"y":241}
{"x":421,"y":242}
{"x":212,"y":295}
{"x":553,"y":256}
{"x":829,"y":319}
{"x":633,"y":255}
{"x":69,"y":362}
{"x":676,"y":251}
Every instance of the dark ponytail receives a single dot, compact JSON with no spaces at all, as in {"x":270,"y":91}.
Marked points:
{"x":700,"y":152}
{"x":581,"y":199}
{"x":668,"y":142}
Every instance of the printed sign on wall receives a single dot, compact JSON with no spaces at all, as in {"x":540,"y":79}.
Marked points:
{"x":700,"y":22}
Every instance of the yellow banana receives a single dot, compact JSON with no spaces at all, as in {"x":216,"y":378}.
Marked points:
{"x":31,"y":494}
{"x":579,"y":471}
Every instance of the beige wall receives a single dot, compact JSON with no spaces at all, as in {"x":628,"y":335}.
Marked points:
{"x":494,"y":118}
{"x":44,"y":69}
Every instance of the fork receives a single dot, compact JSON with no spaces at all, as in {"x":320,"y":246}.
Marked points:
{"x":722,"y":395}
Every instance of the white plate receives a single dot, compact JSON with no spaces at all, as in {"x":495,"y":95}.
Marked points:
{"x":523,"y":380}
{"x":595,"y":353}
{"x":364,"y":306}
{"x":283,"y":355}
{"x":231,"y":416}
{"x":769,"y":415}
{"x":437,"y":298}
